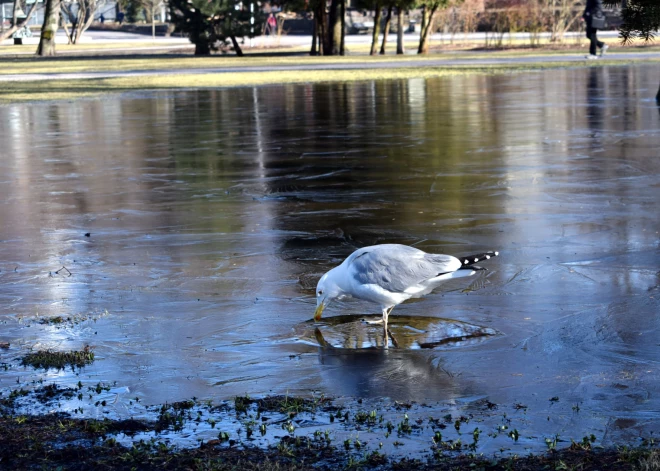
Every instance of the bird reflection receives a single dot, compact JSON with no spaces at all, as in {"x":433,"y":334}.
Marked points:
{"x":379,"y":372}
{"x":408,"y":333}
{"x":356,"y":360}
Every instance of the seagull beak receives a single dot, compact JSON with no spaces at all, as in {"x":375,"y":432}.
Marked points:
{"x":319,"y":311}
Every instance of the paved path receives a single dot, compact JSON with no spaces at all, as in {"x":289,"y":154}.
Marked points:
{"x":382,"y":64}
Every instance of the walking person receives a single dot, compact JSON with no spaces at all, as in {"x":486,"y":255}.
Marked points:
{"x":594,"y":17}
{"x":271,"y":25}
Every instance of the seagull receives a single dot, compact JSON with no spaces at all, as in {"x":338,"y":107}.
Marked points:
{"x":390,"y":274}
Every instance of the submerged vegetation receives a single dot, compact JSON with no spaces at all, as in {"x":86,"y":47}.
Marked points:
{"x":59,"y":440}
{"x":47,"y":359}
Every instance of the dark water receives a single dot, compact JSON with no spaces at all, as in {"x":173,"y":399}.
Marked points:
{"x":212,"y":213}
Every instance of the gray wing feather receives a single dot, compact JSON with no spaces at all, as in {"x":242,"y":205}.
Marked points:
{"x":398,"y":267}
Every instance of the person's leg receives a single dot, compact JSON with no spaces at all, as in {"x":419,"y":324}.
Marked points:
{"x":600,"y":44}
{"x":591,"y":34}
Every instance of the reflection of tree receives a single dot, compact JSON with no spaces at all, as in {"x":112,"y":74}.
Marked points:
{"x":178,"y":182}
{"x":641,"y":19}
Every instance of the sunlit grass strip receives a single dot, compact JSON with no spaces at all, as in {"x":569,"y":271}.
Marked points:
{"x":72,"y":89}
{"x":47,"y":359}
{"x":101,"y":64}
{"x":33,"y":65}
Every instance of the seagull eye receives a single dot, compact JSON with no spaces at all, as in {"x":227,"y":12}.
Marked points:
{"x":320,"y":292}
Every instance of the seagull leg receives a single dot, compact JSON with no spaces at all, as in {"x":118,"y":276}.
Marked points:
{"x":394,"y":342}
{"x":386,"y":331}
{"x":386,"y":314}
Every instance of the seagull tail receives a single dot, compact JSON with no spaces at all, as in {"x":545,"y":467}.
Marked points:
{"x":468,"y":263}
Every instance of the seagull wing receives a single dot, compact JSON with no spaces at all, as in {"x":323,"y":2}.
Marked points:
{"x":398,"y":268}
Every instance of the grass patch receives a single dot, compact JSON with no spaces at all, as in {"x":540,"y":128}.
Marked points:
{"x":290,"y":405}
{"x":231,"y":71}
{"x":47,"y":359}
{"x":33,"y":65}
{"x":63,"y":64}
{"x":82,"y":88}
{"x":219,"y":71}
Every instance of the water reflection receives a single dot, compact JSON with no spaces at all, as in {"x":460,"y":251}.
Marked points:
{"x":211,"y":213}
{"x":405,"y":333}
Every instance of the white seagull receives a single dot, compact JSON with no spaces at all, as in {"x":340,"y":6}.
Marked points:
{"x":389,"y":274}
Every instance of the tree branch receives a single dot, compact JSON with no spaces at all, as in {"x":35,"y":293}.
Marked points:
{"x":7,"y":33}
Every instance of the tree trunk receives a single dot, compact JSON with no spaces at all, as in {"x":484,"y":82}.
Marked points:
{"x":202,"y":48}
{"x":427,"y":27}
{"x":376,"y":32}
{"x":400,"y":49}
{"x":80,"y":22}
{"x":315,"y":27}
{"x":85,"y":17}
{"x":69,"y":35}
{"x":65,"y":15}
{"x":14,"y":16}
{"x":342,"y":48}
{"x":334,"y":28}
{"x":332,"y":18}
{"x":49,"y":28}
{"x":237,"y":47}
{"x":89,"y":19}
{"x":321,"y":29}
{"x":388,"y":21}
{"x":14,"y":25}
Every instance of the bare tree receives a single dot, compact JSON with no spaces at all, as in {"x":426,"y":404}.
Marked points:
{"x":378,"y":8}
{"x":386,"y":29}
{"x":429,"y":9}
{"x":562,"y":14}
{"x":15,"y":25}
{"x":150,"y":8}
{"x":80,"y":17}
{"x":468,"y":15}
{"x":400,"y":48}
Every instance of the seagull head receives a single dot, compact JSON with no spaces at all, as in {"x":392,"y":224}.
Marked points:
{"x":327,"y":290}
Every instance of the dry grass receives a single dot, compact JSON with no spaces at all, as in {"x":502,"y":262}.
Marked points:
{"x":16,"y":91}
{"x":650,"y":461}
{"x":232,"y":71}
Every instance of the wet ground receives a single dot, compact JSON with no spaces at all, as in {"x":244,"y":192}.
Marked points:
{"x":181,"y":236}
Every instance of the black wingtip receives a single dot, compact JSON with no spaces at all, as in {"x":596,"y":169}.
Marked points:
{"x":470,"y":260}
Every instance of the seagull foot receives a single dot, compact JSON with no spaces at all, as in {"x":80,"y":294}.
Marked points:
{"x":372,"y":322}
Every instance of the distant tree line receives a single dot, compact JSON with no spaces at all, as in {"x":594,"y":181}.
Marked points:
{"x":215,"y":25}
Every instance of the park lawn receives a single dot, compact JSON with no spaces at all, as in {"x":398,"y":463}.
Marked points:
{"x":32,"y":65}
{"x":39,"y":90}
{"x":100,"y":63}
